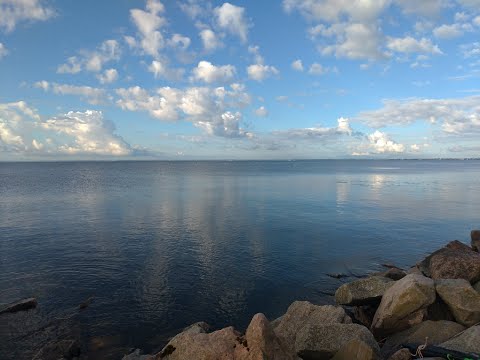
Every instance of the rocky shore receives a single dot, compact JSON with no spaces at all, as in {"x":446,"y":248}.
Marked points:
{"x":431,"y":310}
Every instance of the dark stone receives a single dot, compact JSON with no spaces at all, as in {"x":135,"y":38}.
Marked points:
{"x":63,"y":349}
{"x":22,"y":305}
{"x":475,"y":240}
{"x":395,"y":274}
{"x":454,"y":261}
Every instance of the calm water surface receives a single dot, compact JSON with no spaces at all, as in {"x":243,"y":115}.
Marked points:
{"x":163,"y":244}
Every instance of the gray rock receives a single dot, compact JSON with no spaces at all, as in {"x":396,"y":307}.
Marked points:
{"x":435,"y":331}
{"x":395,"y":274}
{"x":468,"y":341}
{"x":414,"y":270}
{"x":454,"y":261}
{"x":475,"y":240}
{"x":356,"y":350}
{"x":63,"y":349}
{"x":302,"y":313}
{"x":137,"y":355}
{"x":404,"y":304}
{"x":22,"y":305}
{"x":362,"y":291}
{"x":324,"y":341}
{"x":402,"y":354}
{"x":462,"y":300}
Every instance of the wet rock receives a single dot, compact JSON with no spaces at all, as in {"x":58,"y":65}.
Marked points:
{"x":324,"y":341}
{"x":404,"y":304}
{"x":395,"y":274}
{"x":55,"y":350}
{"x":137,"y":355}
{"x":356,"y":350}
{"x":435,"y":331}
{"x":303,"y":313}
{"x":362,"y":291}
{"x":475,"y":240}
{"x":337,"y":275}
{"x":402,"y":354}
{"x":86,"y":303}
{"x":262,"y":341}
{"x":454,"y":261}
{"x":22,"y":305}
{"x":468,"y":341}
{"x":462,"y":300}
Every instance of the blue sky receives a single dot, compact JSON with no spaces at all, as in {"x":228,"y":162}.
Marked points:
{"x":194,"y":79}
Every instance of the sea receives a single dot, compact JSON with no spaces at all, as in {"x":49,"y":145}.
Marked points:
{"x":159,"y":245}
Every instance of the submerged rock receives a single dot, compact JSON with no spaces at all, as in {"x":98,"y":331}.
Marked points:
{"x":454,"y":261}
{"x":63,"y":349}
{"x":468,"y":341}
{"x":404,"y":304}
{"x":362,"y":291}
{"x":432,"y":332}
{"x":462,"y":300}
{"x":395,"y":274}
{"x":316,"y":341}
{"x":22,"y":305}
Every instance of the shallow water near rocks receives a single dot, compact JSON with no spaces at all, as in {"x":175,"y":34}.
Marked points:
{"x":163,"y":244}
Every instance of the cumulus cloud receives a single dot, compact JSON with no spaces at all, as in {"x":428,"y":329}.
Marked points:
{"x":343,"y":128}
{"x":23,"y":131}
{"x":409,"y":44}
{"x":209,"y":39}
{"x":455,"y":116}
{"x":261,"y":111}
{"x":179,"y":41}
{"x":13,"y":12}
{"x":232,"y":19}
{"x":108,"y":76}
{"x":198,"y":105}
{"x":451,"y":31}
{"x":90,"y":94}
{"x":381,"y":143}
{"x":297,"y":65}
{"x":209,"y":73}
{"x":93,"y":61}
{"x":148,"y":23}
{"x":317,"y":69}
{"x":259,"y":72}
{"x":3,"y":51}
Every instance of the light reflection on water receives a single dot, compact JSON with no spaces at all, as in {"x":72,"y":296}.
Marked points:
{"x":164,"y":244}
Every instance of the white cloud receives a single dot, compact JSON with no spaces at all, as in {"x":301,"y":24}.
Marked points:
{"x":108,"y":76}
{"x":13,"y":12}
{"x":409,"y":44}
{"x":148,"y":24}
{"x":261,"y":112}
{"x":259,"y":72}
{"x":317,"y":69}
{"x":90,"y":94}
{"x":157,"y":68}
{"x":210,"y":40}
{"x":343,"y":128}
{"x":209,"y":73}
{"x":179,"y":41}
{"x":428,"y":8}
{"x":206,"y":108}
{"x":16,"y":121}
{"x":447,"y":31}
{"x":382,"y":144}
{"x":470,"y":50}
{"x":470,"y":3}
{"x":476,"y":21}
{"x":455,"y":116}
{"x":3,"y":51}
{"x":232,"y":19}
{"x":93,"y":61}
{"x":297,"y":65}
{"x":415,"y":147}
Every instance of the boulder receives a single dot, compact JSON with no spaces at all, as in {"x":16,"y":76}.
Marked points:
{"x":435,"y":331}
{"x":404,"y":304}
{"x":356,"y":350}
{"x":402,"y":354}
{"x":454,"y":261}
{"x":395,"y":274}
{"x":468,"y":341}
{"x":477,"y":287}
{"x":63,"y":349}
{"x":22,"y":305}
{"x":475,"y":240}
{"x":302,"y":313}
{"x":462,"y":300}
{"x":414,"y":270}
{"x":262,"y":341}
{"x":316,"y":341}
{"x":137,"y":355}
{"x":362,"y":291}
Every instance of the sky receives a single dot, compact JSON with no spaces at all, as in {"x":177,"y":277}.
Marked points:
{"x":247,"y":79}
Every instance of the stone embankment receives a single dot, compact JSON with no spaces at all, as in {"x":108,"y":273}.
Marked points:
{"x":431,"y":310}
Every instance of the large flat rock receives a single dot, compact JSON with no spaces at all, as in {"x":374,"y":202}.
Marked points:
{"x":461,"y":298}
{"x":362,"y":291}
{"x":404,"y":304}
{"x":468,"y":341}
